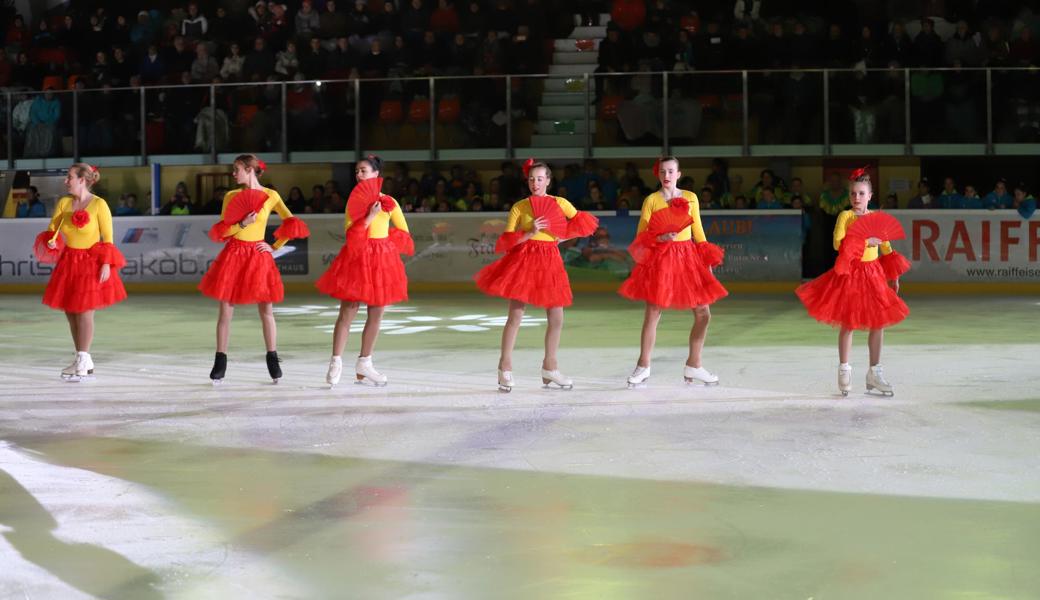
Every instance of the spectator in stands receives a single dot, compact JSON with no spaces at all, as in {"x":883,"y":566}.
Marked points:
{"x":803,"y":47}
{"x":964,"y":46}
{"x":999,"y":197}
{"x":222,"y":28}
{"x":178,"y":57}
{"x":17,"y":37}
{"x":119,"y":35}
{"x":949,"y":197}
{"x":1023,"y":201}
{"x":259,"y":63}
{"x":797,"y":193}
{"x":998,"y":52}
{"x":180,"y":203}
{"x":296,"y":202}
{"x":891,"y":201}
{"x":376,"y":63}
{"x":43,"y":38}
{"x":231,"y":70}
{"x":314,"y":61}
{"x":307,"y":23}
{"x":740,"y":202}
{"x":194,"y":26}
{"x":153,"y":67}
{"x":835,"y":197}
{"x":767,"y":199}
{"x":143,"y":33}
{"x":899,"y":48}
{"x":707,"y":200}
{"x":1024,"y":51}
{"x":472,"y":23}
{"x":924,"y":198}
{"x":205,"y":67}
{"x":287,"y":63}
{"x":767,"y":181}
{"x":121,"y":71}
{"x":971,"y":198}
{"x":33,"y":206}
{"x":127,"y":206}
{"x":928,"y":46}
{"x":42,"y":138}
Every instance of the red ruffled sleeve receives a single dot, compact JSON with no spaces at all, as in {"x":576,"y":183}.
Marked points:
{"x":403,"y":240}
{"x":218,"y":233}
{"x":44,"y":253}
{"x":107,"y":254}
{"x":507,"y":241}
{"x":894,"y":264}
{"x":642,"y":245}
{"x":292,"y":228}
{"x":582,"y":224}
{"x":711,"y":255}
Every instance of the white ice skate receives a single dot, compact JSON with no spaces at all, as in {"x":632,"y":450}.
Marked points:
{"x":876,"y":381}
{"x":84,"y":369}
{"x":505,"y":381}
{"x":554,"y":377}
{"x":70,"y":371}
{"x":366,"y":373}
{"x":335,"y":371}
{"x":699,"y":376}
{"x":845,"y":378}
{"x":638,"y":377}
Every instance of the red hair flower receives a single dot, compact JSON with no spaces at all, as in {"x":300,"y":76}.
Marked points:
{"x":657,"y":169}
{"x":80,"y":218}
{"x":261,"y":165}
{"x":527,"y":166}
{"x":93,"y":168}
{"x":856,"y":174}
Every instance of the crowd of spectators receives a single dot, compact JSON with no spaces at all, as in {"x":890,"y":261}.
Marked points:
{"x":96,"y":47}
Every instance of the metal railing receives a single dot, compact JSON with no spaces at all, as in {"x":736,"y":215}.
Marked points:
{"x":807,"y":111}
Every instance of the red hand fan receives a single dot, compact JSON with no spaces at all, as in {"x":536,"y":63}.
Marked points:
{"x":361,"y":198}
{"x":548,"y":209}
{"x":673,"y":219}
{"x":244,"y":202}
{"x":880,"y":225}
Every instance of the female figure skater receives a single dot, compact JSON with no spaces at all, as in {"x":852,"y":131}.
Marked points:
{"x":86,"y":276}
{"x":860,"y":295}
{"x":244,"y":271}
{"x":532,"y":271}
{"x":673,"y":270}
{"x":367,"y":269}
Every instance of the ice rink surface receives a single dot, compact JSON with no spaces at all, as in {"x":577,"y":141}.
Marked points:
{"x":148,"y":482}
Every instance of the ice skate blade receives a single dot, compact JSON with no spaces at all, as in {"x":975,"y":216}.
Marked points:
{"x":698,"y":382}
{"x":274,"y":381}
{"x":362,"y":380}
{"x":217,"y":382}
{"x":550,"y":385}
{"x":77,"y":378}
{"x":504,"y":389}
{"x":844,"y":393}
{"x":637,"y":386}
{"x":873,"y":391}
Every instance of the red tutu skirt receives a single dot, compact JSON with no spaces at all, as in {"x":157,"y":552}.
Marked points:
{"x":861,"y":299}
{"x":672,"y":275}
{"x":243,"y":275}
{"x":373,"y":274}
{"x":531,"y":272}
{"x":74,"y":285}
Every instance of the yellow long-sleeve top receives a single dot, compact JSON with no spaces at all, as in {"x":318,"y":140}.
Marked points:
{"x":655,"y":202}
{"x":845,"y":219}
{"x":521,"y":218}
{"x":98,"y":229}
{"x":254,"y":232}
{"x":380,"y":225}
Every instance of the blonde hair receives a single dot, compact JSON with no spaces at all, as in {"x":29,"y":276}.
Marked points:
{"x":541,"y":165}
{"x":250,"y":161}
{"x":88,"y":173}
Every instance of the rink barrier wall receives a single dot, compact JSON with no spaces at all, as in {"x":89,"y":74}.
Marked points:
{"x":951,"y":251}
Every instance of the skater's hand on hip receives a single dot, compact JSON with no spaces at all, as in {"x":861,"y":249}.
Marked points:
{"x":894,"y":284}
{"x":667,"y":237}
{"x":264,"y":247}
{"x":106,"y":272}
{"x":248,"y":220}
{"x":872,"y":242}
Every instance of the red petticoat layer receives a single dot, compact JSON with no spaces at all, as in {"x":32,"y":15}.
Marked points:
{"x":531,"y":272}
{"x":372,"y":273}
{"x":74,"y":285}
{"x":673,"y":275}
{"x":862,"y":299}
{"x":241,"y":274}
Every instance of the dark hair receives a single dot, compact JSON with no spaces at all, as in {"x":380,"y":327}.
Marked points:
{"x":250,"y":161}
{"x":373,"y":161}
{"x":668,"y":158}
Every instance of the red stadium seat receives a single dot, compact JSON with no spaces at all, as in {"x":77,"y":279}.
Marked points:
{"x":419,"y":111}
{"x":449,"y":110}
{"x":608,"y":107}
{"x":391,"y":111}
